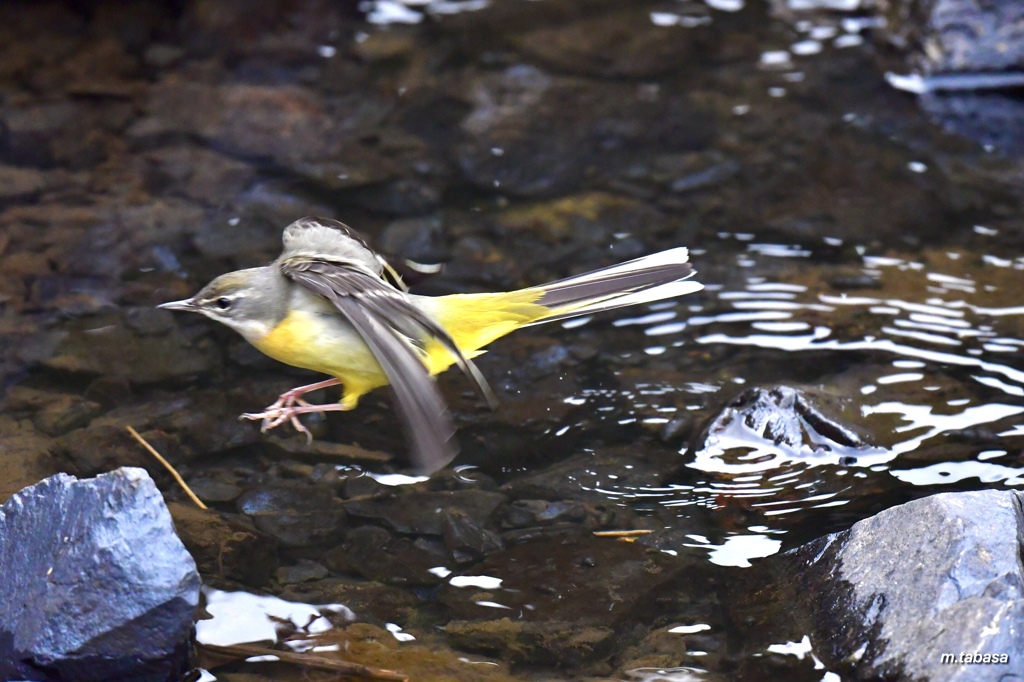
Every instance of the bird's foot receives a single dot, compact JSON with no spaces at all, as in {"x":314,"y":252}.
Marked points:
{"x":286,"y":409}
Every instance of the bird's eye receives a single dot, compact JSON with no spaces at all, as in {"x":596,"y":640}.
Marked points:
{"x":223,"y":303}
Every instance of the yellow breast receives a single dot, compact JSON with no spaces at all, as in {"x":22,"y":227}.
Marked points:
{"x":323,"y":343}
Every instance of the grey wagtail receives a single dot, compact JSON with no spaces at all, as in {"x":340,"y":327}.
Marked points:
{"x":332,"y":305}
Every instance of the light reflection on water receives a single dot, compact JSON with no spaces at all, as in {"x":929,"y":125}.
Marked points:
{"x":934,"y":351}
{"x":241,"y":617}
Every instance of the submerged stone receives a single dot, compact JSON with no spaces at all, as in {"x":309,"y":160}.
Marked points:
{"x":295,"y":513}
{"x":96,"y":585}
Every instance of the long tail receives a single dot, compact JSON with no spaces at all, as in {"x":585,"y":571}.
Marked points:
{"x":475,"y":320}
{"x":643,"y":280}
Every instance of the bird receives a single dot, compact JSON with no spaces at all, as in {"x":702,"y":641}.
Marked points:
{"x":331,"y":304}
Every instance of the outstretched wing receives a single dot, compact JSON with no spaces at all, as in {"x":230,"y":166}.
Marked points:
{"x":324,"y":238}
{"x":389,"y":323}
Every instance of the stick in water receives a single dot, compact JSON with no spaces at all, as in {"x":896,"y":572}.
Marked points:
{"x":167,"y":465}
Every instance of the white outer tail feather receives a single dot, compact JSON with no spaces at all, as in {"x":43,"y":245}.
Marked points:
{"x":657,"y":292}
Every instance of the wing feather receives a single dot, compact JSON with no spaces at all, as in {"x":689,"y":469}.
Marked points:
{"x":389,"y":323}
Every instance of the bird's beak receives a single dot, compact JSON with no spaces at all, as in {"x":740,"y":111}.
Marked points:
{"x":188,"y":305}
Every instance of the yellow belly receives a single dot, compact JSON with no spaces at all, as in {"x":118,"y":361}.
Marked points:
{"x":324,"y":344}
{"x":327,"y":343}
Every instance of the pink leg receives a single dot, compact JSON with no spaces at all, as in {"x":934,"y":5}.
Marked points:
{"x":289,"y":398}
{"x":284,"y":409}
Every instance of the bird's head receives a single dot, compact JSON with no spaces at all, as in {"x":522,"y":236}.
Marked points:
{"x":252,"y":302}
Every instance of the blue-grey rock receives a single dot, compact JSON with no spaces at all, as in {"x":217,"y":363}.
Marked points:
{"x":957,"y":35}
{"x":941,"y":575}
{"x":929,"y":591}
{"x":96,"y":585}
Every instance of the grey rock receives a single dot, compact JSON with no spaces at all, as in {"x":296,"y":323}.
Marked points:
{"x":96,"y":584}
{"x":889,"y":597}
{"x":958,"y":35}
{"x":962,"y":590}
{"x":991,"y":118}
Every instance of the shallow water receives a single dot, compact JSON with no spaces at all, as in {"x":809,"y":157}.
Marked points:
{"x":850,"y":249}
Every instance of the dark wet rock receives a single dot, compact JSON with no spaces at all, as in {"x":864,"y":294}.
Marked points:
{"x":580,"y":220}
{"x":855,"y":281}
{"x":423,"y":513}
{"x":96,"y":584}
{"x":223,"y":546}
{"x":247,"y":120}
{"x":215,"y":488}
{"x":692,"y":172}
{"x":824,"y":196}
{"x":108,"y":346}
{"x":149,"y":321}
{"x":302,"y":571}
{"x":566,"y":602}
{"x":527,"y":513}
{"x":352,"y":165}
{"x":661,"y":650}
{"x":27,"y":456}
{"x":402,"y":196}
{"x":21,"y":183}
{"x":612,"y":44}
{"x":531,"y":134}
{"x":386,"y":46}
{"x":890,"y":596}
{"x":990,"y":118}
{"x":555,"y":531}
{"x":162,"y":55}
{"x":30,"y":131}
{"x":103,"y":447}
{"x":253,"y":222}
{"x":466,"y":538}
{"x":230,"y":235}
{"x":557,"y":643}
{"x":369,"y":601}
{"x":957,"y":35}
{"x":297,"y":514}
{"x":54,"y":414}
{"x":195,"y":424}
{"x":783,"y":417}
{"x":108,"y":391}
{"x":421,"y":240}
{"x":283,"y":31}
{"x":371,"y":551}
{"x":581,"y":582}
{"x":183,"y":429}
{"x":290,"y":125}
{"x":199,"y":174}
{"x":677,"y":429}
{"x":581,"y":476}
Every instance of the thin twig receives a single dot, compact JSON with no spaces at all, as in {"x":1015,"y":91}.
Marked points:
{"x":622,"y":533}
{"x":167,"y":465}
{"x":307,"y":660}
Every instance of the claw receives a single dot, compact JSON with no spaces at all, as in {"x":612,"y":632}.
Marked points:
{"x":289,"y":406}
{"x":275,"y":415}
